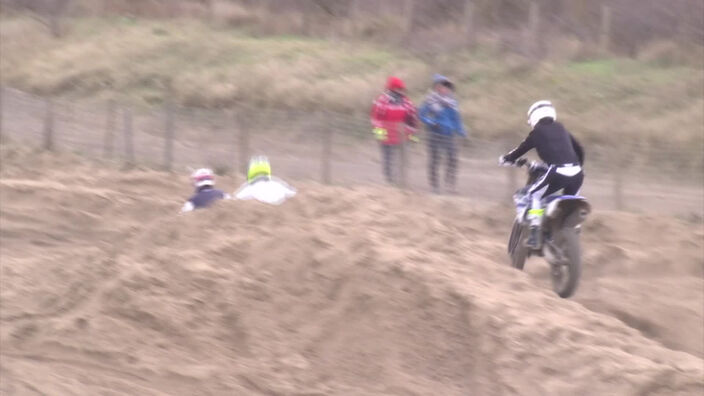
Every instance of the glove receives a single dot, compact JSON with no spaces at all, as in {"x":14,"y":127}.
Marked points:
{"x":187,"y":207}
{"x":414,"y":139}
{"x":503,"y":161}
{"x":380,"y":133}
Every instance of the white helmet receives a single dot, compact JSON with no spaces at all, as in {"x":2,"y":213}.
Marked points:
{"x":539,"y":110}
{"x":203,"y":177}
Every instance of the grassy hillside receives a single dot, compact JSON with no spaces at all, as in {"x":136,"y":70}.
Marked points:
{"x":144,"y":61}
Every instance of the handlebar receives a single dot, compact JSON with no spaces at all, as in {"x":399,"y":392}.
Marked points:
{"x":521,"y":162}
{"x":524,"y":163}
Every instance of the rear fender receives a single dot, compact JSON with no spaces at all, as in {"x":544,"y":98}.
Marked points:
{"x":568,"y":211}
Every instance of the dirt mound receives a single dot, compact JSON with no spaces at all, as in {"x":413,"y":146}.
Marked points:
{"x":355,"y":291}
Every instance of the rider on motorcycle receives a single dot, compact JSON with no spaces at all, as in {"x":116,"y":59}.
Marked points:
{"x":562,"y":155}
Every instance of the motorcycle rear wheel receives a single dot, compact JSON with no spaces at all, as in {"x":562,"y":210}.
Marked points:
{"x":565,"y":275}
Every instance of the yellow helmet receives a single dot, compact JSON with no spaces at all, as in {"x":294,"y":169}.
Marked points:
{"x":259,"y":167}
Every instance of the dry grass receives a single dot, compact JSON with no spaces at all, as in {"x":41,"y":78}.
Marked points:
{"x":205,"y":67}
{"x":644,"y":101}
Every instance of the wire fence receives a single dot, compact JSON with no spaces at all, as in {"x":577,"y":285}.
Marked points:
{"x":331,"y":148}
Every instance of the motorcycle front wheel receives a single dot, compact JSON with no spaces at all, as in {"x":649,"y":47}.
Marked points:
{"x":517,"y":250}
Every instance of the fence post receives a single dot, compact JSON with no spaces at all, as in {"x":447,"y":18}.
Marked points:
{"x":354,"y":16}
{"x":408,"y":13}
{"x":469,"y":28}
{"x":2,"y":132}
{"x":55,"y":23}
{"x":210,"y":4}
{"x":686,"y":23}
{"x":618,"y":188}
{"x":128,"y":136}
{"x":49,"y":125}
{"x":325,"y":163}
{"x":533,"y":25}
{"x":70,"y":113}
{"x":169,"y":136}
{"x":109,"y":138}
{"x":605,"y":32}
{"x":235,"y":141}
{"x":307,"y":18}
{"x":244,"y":125}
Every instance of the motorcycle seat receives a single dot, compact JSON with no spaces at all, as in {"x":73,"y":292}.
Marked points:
{"x":551,"y":202}
{"x":551,"y":198}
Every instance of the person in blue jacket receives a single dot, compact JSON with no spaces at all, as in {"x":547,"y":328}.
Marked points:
{"x":440,"y":113}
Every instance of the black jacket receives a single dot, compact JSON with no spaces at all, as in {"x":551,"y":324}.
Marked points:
{"x":554,"y":144}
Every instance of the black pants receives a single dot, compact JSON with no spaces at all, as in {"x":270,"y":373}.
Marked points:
{"x":388,"y":152}
{"x":438,"y":143}
{"x":553,"y":181}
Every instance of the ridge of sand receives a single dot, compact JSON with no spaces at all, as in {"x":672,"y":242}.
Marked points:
{"x":341,"y":291}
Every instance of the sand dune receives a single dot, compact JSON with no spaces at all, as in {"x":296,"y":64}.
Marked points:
{"x":341,"y":291}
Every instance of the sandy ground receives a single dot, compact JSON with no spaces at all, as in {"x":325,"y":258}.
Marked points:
{"x":341,"y":291}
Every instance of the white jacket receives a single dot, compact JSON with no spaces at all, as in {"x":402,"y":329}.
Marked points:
{"x":273,"y":191}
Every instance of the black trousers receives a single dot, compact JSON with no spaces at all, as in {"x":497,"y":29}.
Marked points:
{"x":553,"y":181}
{"x":437,"y":144}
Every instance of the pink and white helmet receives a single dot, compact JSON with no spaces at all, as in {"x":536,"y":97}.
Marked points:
{"x":203,"y":177}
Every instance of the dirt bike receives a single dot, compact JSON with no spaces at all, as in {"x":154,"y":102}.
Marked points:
{"x":560,"y":230}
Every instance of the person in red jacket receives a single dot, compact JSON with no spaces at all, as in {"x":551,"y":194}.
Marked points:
{"x":394,"y":121}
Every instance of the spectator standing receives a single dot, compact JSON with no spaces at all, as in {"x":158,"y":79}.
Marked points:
{"x":394,"y":120}
{"x":440,"y":113}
